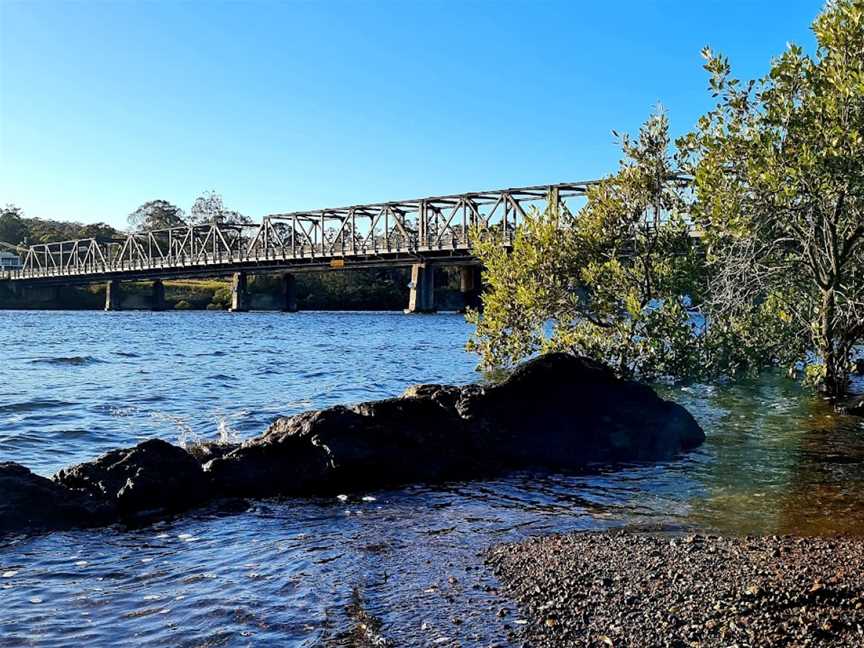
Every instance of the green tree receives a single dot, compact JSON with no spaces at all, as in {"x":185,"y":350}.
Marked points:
{"x":98,"y":231}
{"x":156,"y":214}
{"x":612,"y":281}
{"x":13,"y":229}
{"x":210,"y":208}
{"x":779,"y":180}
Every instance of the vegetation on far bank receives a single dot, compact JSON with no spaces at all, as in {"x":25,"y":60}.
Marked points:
{"x":18,"y":229}
{"x":771,"y":183}
{"x":375,"y":289}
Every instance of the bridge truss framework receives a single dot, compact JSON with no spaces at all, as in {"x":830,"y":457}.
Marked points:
{"x":399,"y":233}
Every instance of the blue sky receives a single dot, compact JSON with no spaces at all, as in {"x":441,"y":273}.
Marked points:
{"x":300,"y":105}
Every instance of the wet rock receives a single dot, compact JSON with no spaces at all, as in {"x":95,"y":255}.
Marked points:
{"x":208,"y":450}
{"x":853,"y":406}
{"x":394,"y":441}
{"x":561,"y":411}
{"x":277,"y":464}
{"x":30,"y":503}
{"x":152,"y":476}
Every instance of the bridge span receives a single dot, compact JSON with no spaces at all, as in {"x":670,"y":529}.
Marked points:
{"x":421,"y":233}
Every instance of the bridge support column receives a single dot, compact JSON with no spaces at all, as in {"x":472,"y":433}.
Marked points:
{"x":112,"y":295}
{"x":239,"y":295}
{"x":470,"y":285}
{"x":289,"y":293}
{"x":422,"y":297}
{"x":158,"y":299}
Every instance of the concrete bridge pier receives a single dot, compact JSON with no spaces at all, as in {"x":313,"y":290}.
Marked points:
{"x":471,"y":286}
{"x":158,"y":299}
{"x":112,"y":295}
{"x":239,"y":293}
{"x":422,"y":297}
{"x":289,"y":293}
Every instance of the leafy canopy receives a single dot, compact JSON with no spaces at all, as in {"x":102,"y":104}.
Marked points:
{"x":611,"y":281}
{"x":777,"y":169}
{"x":779,"y":181}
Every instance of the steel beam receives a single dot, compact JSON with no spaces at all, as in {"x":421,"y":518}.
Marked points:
{"x":395,"y":233}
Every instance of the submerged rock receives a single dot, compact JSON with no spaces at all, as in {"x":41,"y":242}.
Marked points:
{"x":556,"y":411}
{"x":152,"y":476}
{"x":30,"y":503}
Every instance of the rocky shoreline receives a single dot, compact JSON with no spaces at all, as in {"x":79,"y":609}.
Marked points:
{"x":628,"y":588}
{"x":554,"y":412}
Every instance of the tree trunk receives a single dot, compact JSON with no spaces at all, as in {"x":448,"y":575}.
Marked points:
{"x":836,"y":371}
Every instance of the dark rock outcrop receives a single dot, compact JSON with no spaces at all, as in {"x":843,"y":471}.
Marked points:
{"x":30,"y":503}
{"x":561,"y":411}
{"x":556,"y":411}
{"x":854,"y":406}
{"x":417,"y":437}
{"x":208,"y":450}
{"x":151,"y":477}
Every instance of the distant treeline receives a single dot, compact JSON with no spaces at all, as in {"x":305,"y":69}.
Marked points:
{"x":17,"y":229}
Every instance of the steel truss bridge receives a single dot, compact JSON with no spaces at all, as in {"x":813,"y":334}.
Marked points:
{"x":400,"y":233}
{"x":422,"y":233}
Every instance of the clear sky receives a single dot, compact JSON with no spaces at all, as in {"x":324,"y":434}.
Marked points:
{"x":299,"y":105}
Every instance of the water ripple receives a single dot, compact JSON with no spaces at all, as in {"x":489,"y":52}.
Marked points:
{"x":292,"y":572}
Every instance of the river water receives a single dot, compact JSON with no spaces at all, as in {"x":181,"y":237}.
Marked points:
{"x":385,"y":568}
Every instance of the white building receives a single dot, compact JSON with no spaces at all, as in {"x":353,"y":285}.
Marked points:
{"x":9,"y":261}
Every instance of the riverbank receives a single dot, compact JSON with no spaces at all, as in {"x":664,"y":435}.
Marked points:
{"x":641,"y":589}
{"x":357,"y":290}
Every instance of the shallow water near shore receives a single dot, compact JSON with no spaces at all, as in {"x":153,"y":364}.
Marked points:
{"x":313,"y":572}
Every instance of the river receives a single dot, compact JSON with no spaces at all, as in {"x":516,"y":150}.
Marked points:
{"x":397,"y":567}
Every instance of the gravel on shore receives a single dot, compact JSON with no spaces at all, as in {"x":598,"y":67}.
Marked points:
{"x":628,"y":588}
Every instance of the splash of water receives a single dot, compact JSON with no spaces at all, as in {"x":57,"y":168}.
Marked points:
{"x":186,"y":436}
{"x":225,"y":434}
